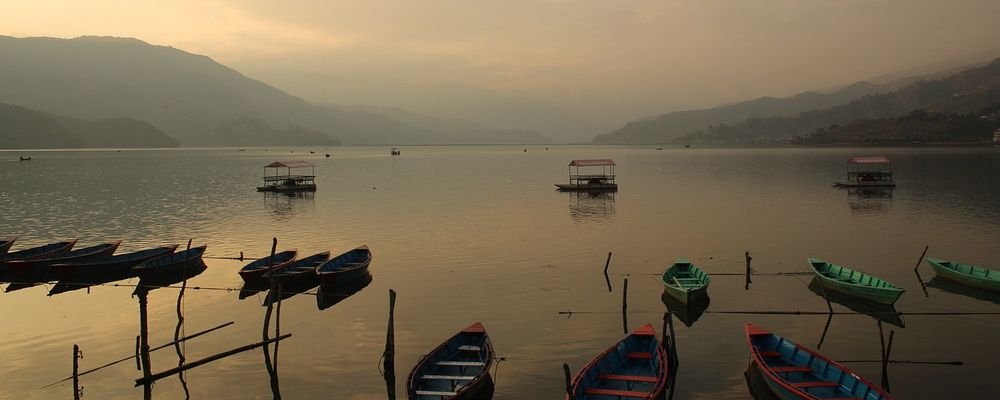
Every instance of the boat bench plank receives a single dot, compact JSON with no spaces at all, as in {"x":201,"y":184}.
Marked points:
{"x":434,"y":393}
{"x":640,"y":355}
{"x":791,"y":369}
{"x":613,"y":392}
{"x":814,"y":384}
{"x":470,"y":348}
{"x":629,"y":378}
{"x":448,"y":377}
{"x":461,"y":363}
{"x":770,"y":354}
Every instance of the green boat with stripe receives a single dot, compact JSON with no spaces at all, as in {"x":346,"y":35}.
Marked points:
{"x":854,"y":283}
{"x":966,"y":274}
{"x":685,"y":281}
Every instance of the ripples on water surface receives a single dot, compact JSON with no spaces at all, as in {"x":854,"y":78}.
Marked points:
{"x":469,"y":234}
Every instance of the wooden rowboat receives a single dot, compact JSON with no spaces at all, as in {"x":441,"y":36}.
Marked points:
{"x":684,"y":280}
{"x":108,"y":265}
{"x":37,"y":269}
{"x":966,"y":274}
{"x":457,"y":369}
{"x":634,"y":368}
{"x":303,"y":269}
{"x":346,"y":267}
{"x":253,"y":273}
{"x":794,"y":372}
{"x":46,"y":251}
{"x":176,"y":264}
{"x":854,"y":283}
{"x":5,"y":245}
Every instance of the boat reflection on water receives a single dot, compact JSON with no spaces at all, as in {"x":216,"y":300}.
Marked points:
{"x":286,"y":203}
{"x":329,"y":296}
{"x":687,"y":313}
{"x":960,"y":289}
{"x":881,"y":312}
{"x":591,"y":206}
{"x":869,"y":200}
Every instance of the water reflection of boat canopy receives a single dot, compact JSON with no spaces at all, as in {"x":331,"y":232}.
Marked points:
{"x":605,"y":181}
{"x":868,"y":171}
{"x":288,"y":182}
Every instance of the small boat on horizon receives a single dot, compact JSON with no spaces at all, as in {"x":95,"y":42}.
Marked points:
{"x":636,"y":367}
{"x":854,"y":283}
{"x":794,"y":372}
{"x":683,"y":280}
{"x":457,"y":369}
{"x":966,"y":274}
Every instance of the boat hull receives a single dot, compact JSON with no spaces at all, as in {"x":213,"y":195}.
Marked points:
{"x":685,"y":282}
{"x":964,"y":274}
{"x":853,"y":283}
{"x":863,"y":184}
{"x":6,"y":244}
{"x":345,"y":268}
{"x":469,"y":355}
{"x":636,"y":368}
{"x":566,"y":187}
{"x":253,"y":273}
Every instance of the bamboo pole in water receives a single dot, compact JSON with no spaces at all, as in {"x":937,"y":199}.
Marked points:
{"x":147,"y":380}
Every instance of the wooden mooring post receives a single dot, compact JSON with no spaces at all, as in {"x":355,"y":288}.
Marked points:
{"x":567,"y":376}
{"x":748,"y":280}
{"x":77,"y":355}
{"x":389,"y":354}
{"x":625,"y":306}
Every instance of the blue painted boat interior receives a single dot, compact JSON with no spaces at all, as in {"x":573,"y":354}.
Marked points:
{"x":304,"y":265}
{"x":452,"y":367}
{"x":193,"y":253}
{"x":808,"y":372}
{"x":268,"y":261}
{"x":636,"y":355}
{"x":349,"y":259}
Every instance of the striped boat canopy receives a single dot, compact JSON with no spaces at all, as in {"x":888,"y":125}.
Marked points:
{"x":869,"y":160}
{"x":289,"y":164}
{"x":591,"y":163}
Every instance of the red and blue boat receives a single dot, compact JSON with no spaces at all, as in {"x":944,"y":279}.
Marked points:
{"x":637,"y":367}
{"x":458,"y":369}
{"x":794,"y":372}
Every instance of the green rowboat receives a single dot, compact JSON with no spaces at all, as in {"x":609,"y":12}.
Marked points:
{"x":854,"y":283}
{"x":969,"y":275}
{"x":683,"y":281}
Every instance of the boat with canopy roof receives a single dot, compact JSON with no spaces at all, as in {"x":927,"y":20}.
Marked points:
{"x":288,"y":182}
{"x":593,"y":182}
{"x":868,"y":172}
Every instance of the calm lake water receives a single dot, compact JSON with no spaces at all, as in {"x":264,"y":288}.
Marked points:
{"x":467,"y":234}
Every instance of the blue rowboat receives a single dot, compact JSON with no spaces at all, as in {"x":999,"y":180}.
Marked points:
{"x":46,"y":251}
{"x":253,"y":273}
{"x":5,"y":245}
{"x":107,"y":265}
{"x":794,"y":372}
{"x":966,"y":274}
{"x":457,"y":369}
{"x":294,"y":272}
{"x":176,"y":264}
{"x":634,"y":368}
{"x":346,"y":267}
{"x":854,"y":283}
{"x":685,"y":281}
{"x":37,"y":269}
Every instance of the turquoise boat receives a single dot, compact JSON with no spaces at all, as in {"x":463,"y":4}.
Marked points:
{"x":854,"y":283}
{"x":684,"y":281}
{"x":794,"y":372}
{"x":966,"y":274}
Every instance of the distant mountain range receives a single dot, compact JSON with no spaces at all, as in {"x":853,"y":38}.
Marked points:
{"x":198,"y":101}
{"x":770,"y":120}
{"x":23,"y":128}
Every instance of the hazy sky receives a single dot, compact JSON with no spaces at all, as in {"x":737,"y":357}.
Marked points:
{"x":602,"y":59}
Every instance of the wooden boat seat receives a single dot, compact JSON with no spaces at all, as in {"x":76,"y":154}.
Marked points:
{"x":791,"y":369}
{"x":619,"y":393}
{"x":461,"y":363}
{"x":769,"y":354}
{"x":448,"y":377}
{"x":629,"y":378}
{"x":470,"y":348}
{"x":640,"y":355}
{"x":814,"y":384}
{"x":434,"y":393}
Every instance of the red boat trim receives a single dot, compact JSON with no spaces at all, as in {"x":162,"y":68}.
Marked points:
{"x":661,"y":378}
{"x":411,"y":379}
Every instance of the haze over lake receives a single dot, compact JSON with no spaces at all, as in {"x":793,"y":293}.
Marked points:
{"x":477,"y":233}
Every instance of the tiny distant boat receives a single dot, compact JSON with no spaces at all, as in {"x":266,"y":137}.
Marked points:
{"x":345,"y":267}
{"x":634,"y":368}
{"x":868,"y":172}
{"x":25,"y":158}
{"x":966,"y":274}
{"x":594,"y":182}
{"x":5,"y":245}
{"x":34,"y":253}
{"x":855,"y":283}
{"x":176,"y":264}
{"x":684,"y":280}
{"x":253,"y":273}
{"x":295,"y":272}
{"x":794,"y":372}
{"x":394,"y":151}
{"x":37,"y":269}
{"x":109,"y":265}
{"x":457,"y":369}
